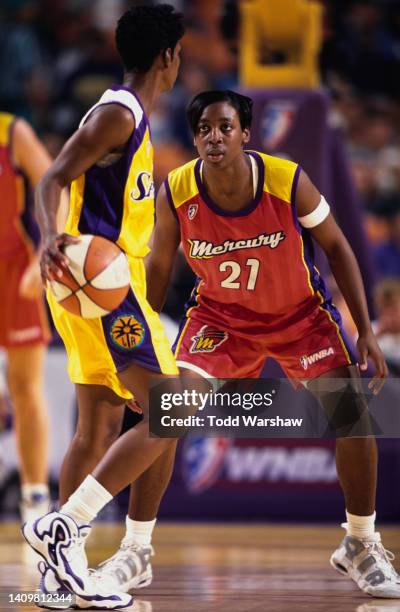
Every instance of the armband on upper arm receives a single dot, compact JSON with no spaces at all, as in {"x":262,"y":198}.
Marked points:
{"x":318,"y":215}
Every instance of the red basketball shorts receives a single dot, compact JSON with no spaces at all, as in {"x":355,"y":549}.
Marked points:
{"x":214,"y":343}
{"x":23,"y":322}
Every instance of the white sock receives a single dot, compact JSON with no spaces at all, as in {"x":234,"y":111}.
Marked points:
{"x":87,"y":501}
{"x":31,"y":489}
{"x":360,"y":526}
{"x":140,"y":531}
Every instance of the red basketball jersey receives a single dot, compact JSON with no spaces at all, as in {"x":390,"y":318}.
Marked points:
{"x":258,"y":258}
{"x":17,"y":228}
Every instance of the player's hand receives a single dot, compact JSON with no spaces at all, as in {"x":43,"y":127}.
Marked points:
{"x":134,"y":406}
{"x":30,"y":286}
{"x":368,"y":348}
{"x":52,"y":258}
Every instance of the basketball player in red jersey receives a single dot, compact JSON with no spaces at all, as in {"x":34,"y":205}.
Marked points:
{"x":24,"y":330}
{"x":246,"y":223}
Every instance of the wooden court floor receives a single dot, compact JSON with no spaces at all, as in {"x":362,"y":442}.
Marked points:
{"x":221,"y":568}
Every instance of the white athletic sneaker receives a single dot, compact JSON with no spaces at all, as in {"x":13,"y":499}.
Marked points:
{"x":50,"y":585}
{"x":60,"y":541}
{"x":368,"y":563}
{"x":34,"y":507}
{"x":129,"y":568}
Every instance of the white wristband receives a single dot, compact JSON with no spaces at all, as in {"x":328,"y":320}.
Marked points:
{"x":318,"y":215}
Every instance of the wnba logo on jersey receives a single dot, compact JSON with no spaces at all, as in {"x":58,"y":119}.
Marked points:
{"x":207,"y":339}
{"x":192,"y":211}
{"x":144,"y":187}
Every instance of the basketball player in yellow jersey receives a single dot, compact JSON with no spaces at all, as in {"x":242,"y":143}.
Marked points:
{"x":24,"y":328}
{"x":109,"y":163}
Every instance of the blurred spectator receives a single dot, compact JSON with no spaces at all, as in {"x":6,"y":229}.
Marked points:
{"x":23,"y":90}
{"x":387,"y":325}
{"x":387,"y":254}
{"x":361,"y":46}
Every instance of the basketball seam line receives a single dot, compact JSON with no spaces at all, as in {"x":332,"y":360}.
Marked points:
{"x":88,"y":282}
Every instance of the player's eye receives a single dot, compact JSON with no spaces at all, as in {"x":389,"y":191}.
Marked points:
{"x":203,"y":129}
{"x":226,"y":127}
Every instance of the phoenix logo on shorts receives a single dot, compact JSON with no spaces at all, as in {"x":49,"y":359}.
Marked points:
{"x":192,"y":211}
{"x":309,"y":360}
{"x":127,"y":332}
{"x":207,"y":339}
{"x":201,"y":249}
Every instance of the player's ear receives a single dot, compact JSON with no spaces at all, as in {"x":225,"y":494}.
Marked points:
{"x":246,"y":135}
{"x":167,"y":57}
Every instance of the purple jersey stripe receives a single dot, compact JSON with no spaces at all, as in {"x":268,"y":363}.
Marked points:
{"x":103,"y":199}
{"x":169,"y":199}
{"x":294,"y":184}
{"x":27,"y":218}
{"x":191,"y":303}
{"x":320,"y":289}
{"x":225,"y":213}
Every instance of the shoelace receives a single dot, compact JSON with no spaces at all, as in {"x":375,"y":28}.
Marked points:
{"x":78,"y":542}
{"x":383,"y":559}
{"x":114,"y":562}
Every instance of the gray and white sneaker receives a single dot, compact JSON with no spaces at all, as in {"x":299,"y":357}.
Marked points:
{"x":368,"y":563}
{"x":129,"y":568}
{"x":60,"y":541}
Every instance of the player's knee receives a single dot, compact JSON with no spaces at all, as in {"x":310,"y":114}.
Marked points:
{"x":25,"y":393}
{"x":97,"y":441}
{"x":346,"y":409}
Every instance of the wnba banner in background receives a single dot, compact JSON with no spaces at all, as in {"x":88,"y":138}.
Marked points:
{"x":243,"y":479}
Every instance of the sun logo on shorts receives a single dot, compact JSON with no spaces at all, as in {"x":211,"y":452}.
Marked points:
{"x":127,"y":332}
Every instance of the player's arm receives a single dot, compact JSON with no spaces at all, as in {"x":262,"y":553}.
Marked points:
{"x":31,"y":156}
{"x":344,"y":267}
{"x":159,"y":262}
{"x":107,"y":130}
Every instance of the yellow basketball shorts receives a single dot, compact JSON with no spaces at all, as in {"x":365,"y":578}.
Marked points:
{"x":99,"y":348}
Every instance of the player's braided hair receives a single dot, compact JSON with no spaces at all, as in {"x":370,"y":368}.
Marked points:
{"x":242,"y":104}
{"x":143,"y":32}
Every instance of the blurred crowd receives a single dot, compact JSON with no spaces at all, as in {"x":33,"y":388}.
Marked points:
{"x":58,"y":56}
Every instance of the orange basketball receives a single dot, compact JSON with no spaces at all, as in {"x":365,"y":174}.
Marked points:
{"x":97,"y":278}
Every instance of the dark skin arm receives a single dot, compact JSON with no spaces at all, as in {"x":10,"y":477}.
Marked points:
{"x":165,"y":242}
{"x":347,"y":274}
{"x":106,"y":131}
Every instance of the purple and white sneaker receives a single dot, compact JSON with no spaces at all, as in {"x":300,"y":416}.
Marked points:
{"x":60,"y":541}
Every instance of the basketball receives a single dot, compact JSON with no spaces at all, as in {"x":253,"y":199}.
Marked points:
{"x":97,"y":278}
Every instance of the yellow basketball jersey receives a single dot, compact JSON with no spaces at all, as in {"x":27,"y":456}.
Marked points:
{"x":115,"y":197}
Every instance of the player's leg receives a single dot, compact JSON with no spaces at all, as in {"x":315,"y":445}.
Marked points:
{"x":333,"y":378}
{"x":356,"y":457}
{"x":25,"y":380}
{"x":130,"y":567}
{"x":361,"y":554}
{"x":148,"y":489}
{"x":100,"y":414}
